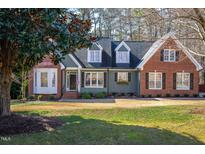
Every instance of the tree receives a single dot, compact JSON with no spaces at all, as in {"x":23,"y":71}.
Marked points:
{"x":29,"y":35}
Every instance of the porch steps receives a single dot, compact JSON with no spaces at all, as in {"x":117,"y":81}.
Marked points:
{"x":70,"y":95}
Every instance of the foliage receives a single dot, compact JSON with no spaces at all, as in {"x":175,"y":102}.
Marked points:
{"x":32,"y":97}
{"x":15,"y":90}
{"x":86,"y":95}
{"x":186,"y":95}
{"x":168,"y":95}
{"x":29,"y":35}
{"x":39,"y":97}
{"x":100,"y":95}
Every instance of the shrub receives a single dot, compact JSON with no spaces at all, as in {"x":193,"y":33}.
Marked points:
{"x":159,"y":95}
{"x":150,"y":95}
{"x":100,"y":95}
{"x":86,"y":95}
{"x":31,"y":97}
{"x":186,"y":95}
{"x":168,"y":95}
{"x":177,"y":95}
{"x":39,"y":97}
{"x":142,"y":96}
{"x":195,"y":95}
{"x":19,"y":97}
{"x":51,"y":97}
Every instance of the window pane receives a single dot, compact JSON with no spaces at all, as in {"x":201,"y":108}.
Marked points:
{"x":122,"y":56}
{"x":44,"y":79}
{"x":166,"y":55}
{"x":94,"y":80}
{"x":158,"y":80}
{"x":100,"y":79}
{"x":151,"y":80}
{"x":94,"y":56}
{"x":87,"y":79}
{"x":186,"y":80}
{"x":97,"y":56}
{"x":122,"y":76}
{"x":179,"y":80}
{"x":54,"y":79}
{"x":172,"y":55}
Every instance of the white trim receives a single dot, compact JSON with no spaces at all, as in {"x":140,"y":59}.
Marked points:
{"x":72,"y":68}
{"x":75,"y":61}
{"x":156,"y":45}
{"x":169,"y":53}
{"x":100,"y":50}
{"x":155,"y":74}
{"x":122,"y":44}
{"x":183,"y":88}
{"x":97,"y":86}
{"x":68,"y":78}
{"x":128,"y":52}
{"x":62,"y":66}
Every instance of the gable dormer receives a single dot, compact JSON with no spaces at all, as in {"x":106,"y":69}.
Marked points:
{"x":122,"y":53}
{"x":95,"y":53}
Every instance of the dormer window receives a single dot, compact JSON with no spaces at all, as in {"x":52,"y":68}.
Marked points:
{"x":169,"y":55}
{"x":95,"y":54}
{"x":122,"y":53}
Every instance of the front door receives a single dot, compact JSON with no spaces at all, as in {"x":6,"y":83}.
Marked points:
{"x":71,"y":79}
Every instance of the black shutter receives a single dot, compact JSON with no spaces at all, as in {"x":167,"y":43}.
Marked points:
{"x":147,"y":80}
{"x":164,"y":80}
{"x":105,"y":81}
{"x":162,"y":55}
{"x":174,"y":81}
{"x":129,"y":76}
{"x":82,"y":79}
{"x":116,"y":76}
{"x":191,"y":81}
{"x":177,"y":55}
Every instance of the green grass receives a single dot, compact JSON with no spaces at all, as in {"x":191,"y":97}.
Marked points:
{"x":150,"y":125}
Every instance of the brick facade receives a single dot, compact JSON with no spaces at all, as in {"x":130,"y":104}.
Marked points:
{"x":46,"y":63}
{"x":183,"y":64}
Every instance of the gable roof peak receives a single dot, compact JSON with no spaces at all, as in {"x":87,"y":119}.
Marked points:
{"x":122,"y":47}
{"x":156,"y":45}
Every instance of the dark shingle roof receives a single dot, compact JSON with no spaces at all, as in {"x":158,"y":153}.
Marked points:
{"x":122,"y":48}
{"x":94,"y":47}
{"x":138,"y":50}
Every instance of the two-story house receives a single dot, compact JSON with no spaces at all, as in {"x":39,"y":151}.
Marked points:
{"x":136,"y":67}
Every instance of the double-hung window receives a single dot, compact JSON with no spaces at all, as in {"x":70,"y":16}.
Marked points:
{"x":183,"y":81}
{"x":94,"y":56}
{"x":94,"y":79}
{"x":122,"y":57}
{"x":122,"y":77}
{"x":155,"y":80}
{"x":169,"y":55}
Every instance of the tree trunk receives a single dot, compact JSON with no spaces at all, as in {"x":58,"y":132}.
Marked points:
{"x":7,"y":59}
{"x":5,"y":86}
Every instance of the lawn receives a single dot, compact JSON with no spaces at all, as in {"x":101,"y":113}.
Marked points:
{"x":172,"y":124}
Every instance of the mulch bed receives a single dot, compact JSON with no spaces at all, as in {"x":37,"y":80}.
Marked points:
{"x":18,"y":124}
{"x":198,"y":111}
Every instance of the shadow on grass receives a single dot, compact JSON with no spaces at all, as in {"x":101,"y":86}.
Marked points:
{"x":78,"y":130}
